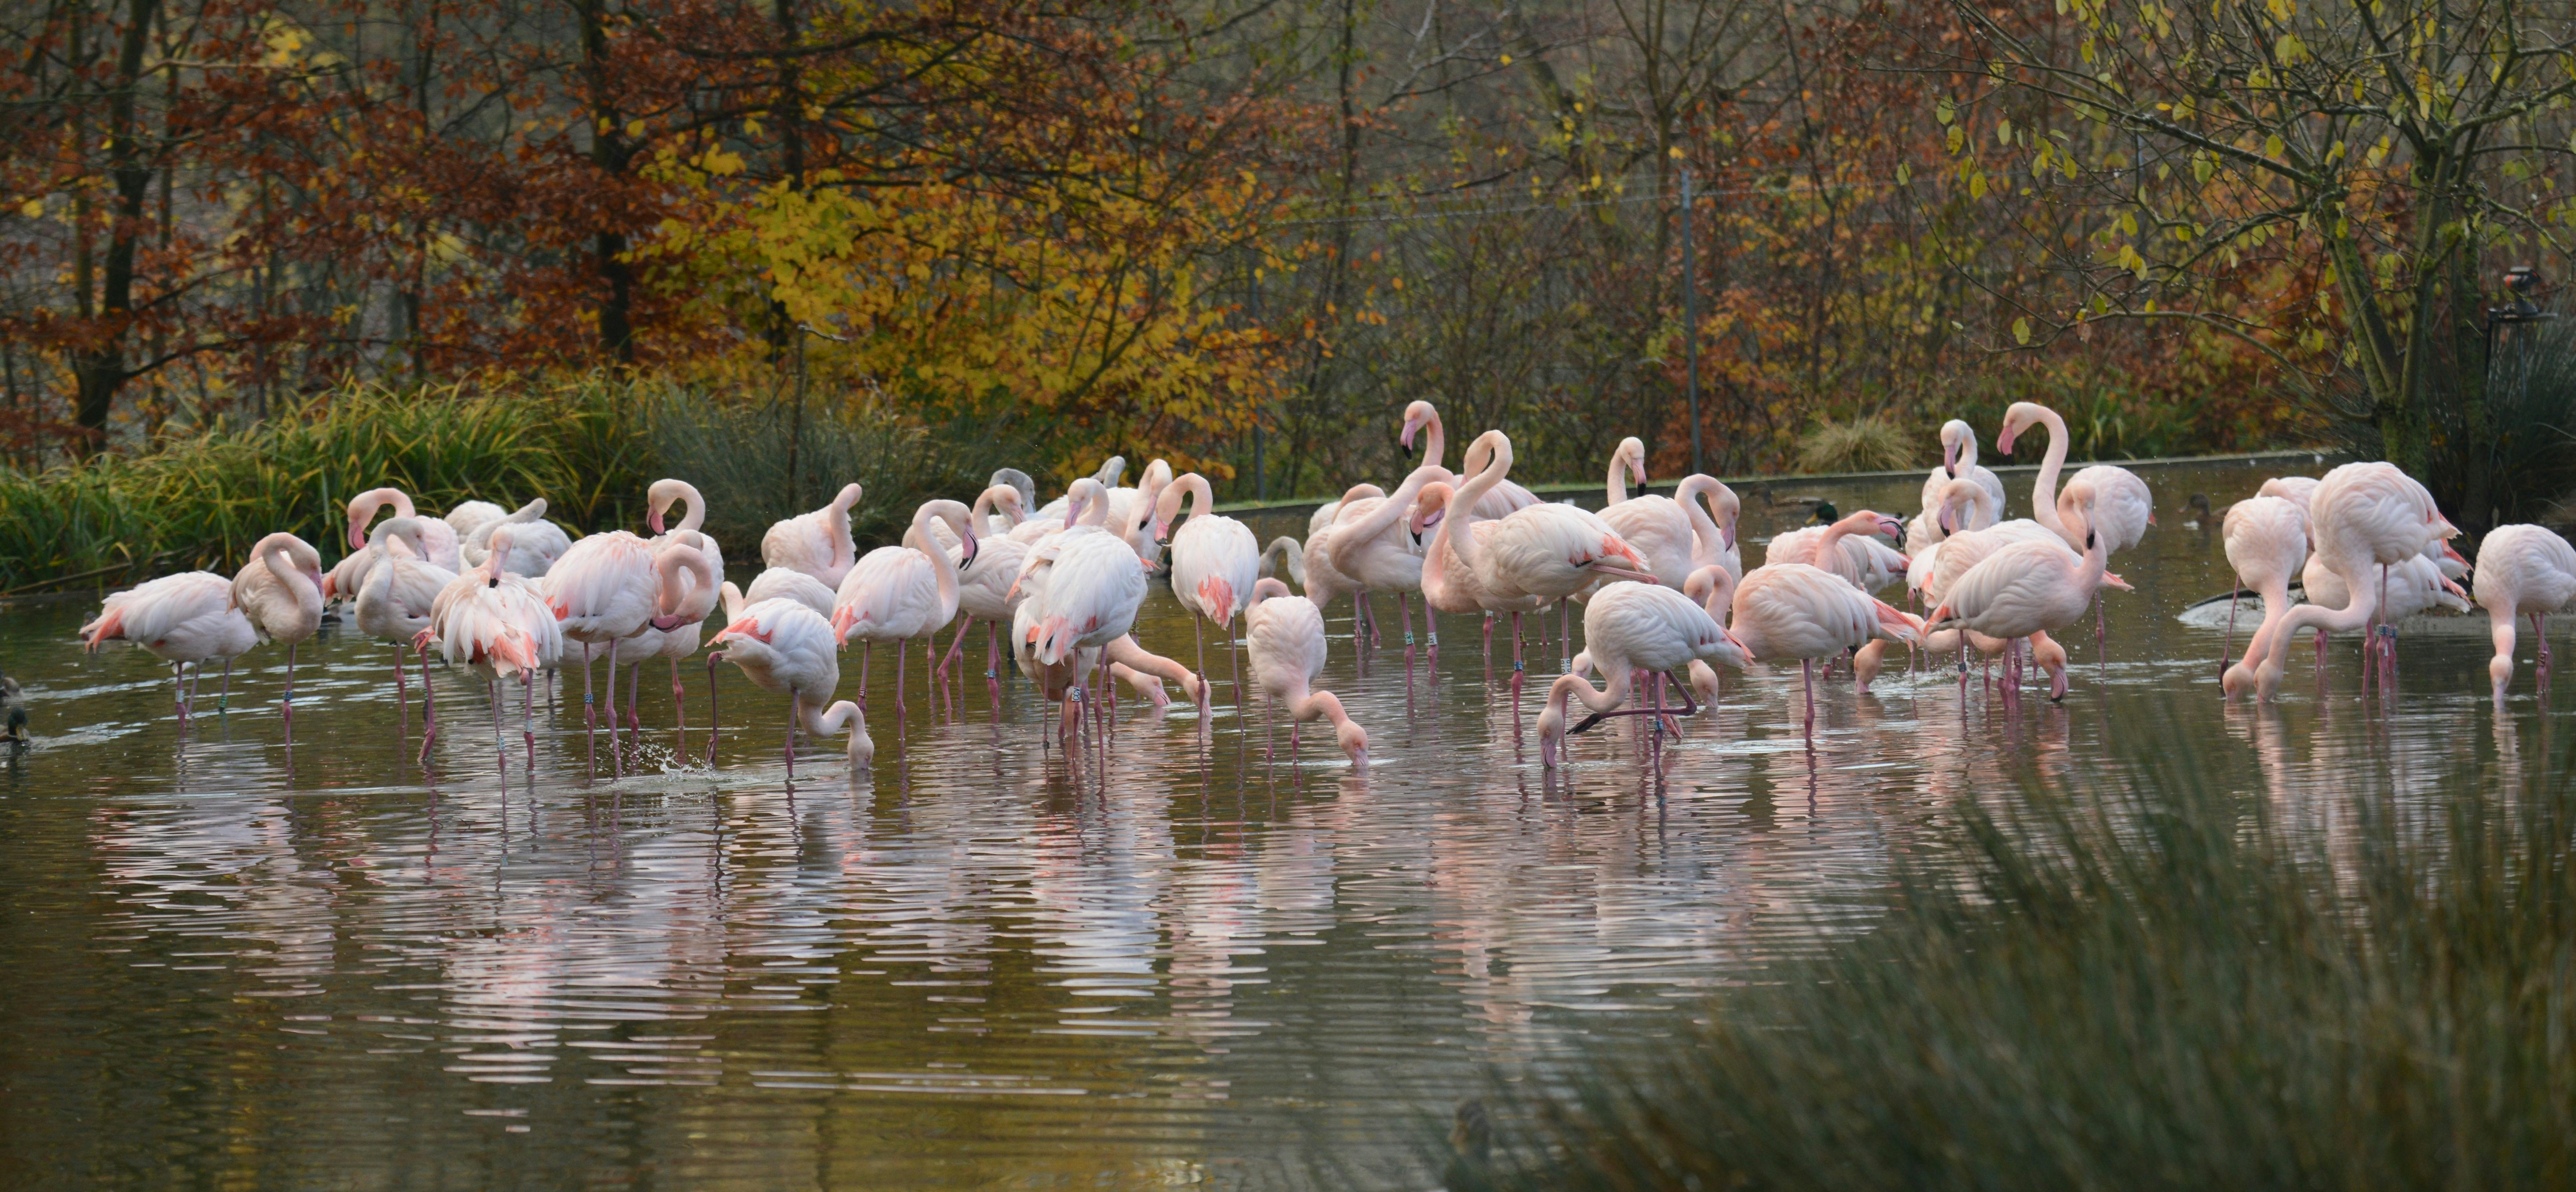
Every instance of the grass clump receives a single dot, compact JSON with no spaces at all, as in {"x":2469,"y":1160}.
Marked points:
{"x":2176,"y":991}
{"x":1870,"y":443}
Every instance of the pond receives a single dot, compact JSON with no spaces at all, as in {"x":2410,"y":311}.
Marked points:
{"x":983,"y":965}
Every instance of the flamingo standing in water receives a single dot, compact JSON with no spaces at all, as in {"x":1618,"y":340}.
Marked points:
{"x":780,"y":583}
{"x":499,"y":624}
{"x":1371,"y":546}
{"x":280,"y":590}
{"x":535,"y":543}
{"x":180,"y":619}
{"x":898,"y":593}
{"x":1084,"y":587}
{"x":688,"y":596}
{"x":2029,"y":587}
{"x":984,"y":591}
{"x":657,"y":505}
{"x":401,"y":591}
{"x":816,"y":543}
{"x":1794,"y":610}
{"x":1215,"y":562}
{"x":2267,"y":543}
{"x":1675,"y":534}
{"x":1285,"y":636}
{"x":1959,"y":462}
{"x":1528,"y":560}
{"x":2360,"y":514}
{"x":783,"y":646}
{"x":2523,"y":570}
{"x":1632,"y":627}
{"x":603,"y":590}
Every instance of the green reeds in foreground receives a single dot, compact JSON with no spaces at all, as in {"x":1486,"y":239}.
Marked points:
{"x":2169,"y":991}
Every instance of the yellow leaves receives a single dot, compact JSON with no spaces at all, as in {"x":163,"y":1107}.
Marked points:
{"x":1943,"y":110}
{"x":2127,"y":258}
{"x":2003,"y":133}
{"x":2273,"y":147}
{"x":2288,"y":49}
{"x":1507,"y":59}
{"x":1977,"y":184}
{"x":635,"y":129}
{"x":2282,"y":10}
{"x":2021,"y":331}
{"x":32,"y":208}
{"x":1958,"y":139}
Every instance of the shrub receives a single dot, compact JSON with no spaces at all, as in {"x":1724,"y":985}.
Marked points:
{"x":1871,"y":443}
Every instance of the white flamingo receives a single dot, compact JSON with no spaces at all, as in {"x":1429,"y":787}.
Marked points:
{"x":2267,"y":543}
{"x":184,"y":619}
{"x":898,"y":593}
{"x":784,"y":647}
{"x":1285,"y":636}
{"x":1499,"y":501}
{"x":1215,"y":561}
{"x":535,"y":543}
{"x":657,"y":505}
{"x":1793,"y":610}
{"x":984,"y":590}
{"x":498,"y":624}
{"x":1371,"y":548}
{"x":688,"y":597}
{"x":1676,"y":534}
{"x":781,"y":583}
{"x":816,"y":543}
{"x":2528,"y":571}
{"x":435,"y":534}
{"x":400,"y":593}
{"x":2027,"y":588}
{"x":603,"y":590}
{"x":2361,"y":515}
{"x":280,"y":590}
{"x":1633,"y":627}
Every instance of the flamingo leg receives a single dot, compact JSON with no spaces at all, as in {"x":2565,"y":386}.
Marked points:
{"x":679,"y":706}
{"x":1489,"y":645}
{"x":492,"y":692}
{"x":1809,"y":666}
{"x":993,"y":668}
{"x":428,"y":700}
{"x":1404,"y":612}
{"x":1516,"y":666}
{"x":1362,"y":623}
{"x":179,"y":693}
{"x":1655,"y":721}
{"x":286,"y":706}
{"x":616,"y":759}
{"x":1234,"y":665}
{"x":402,"y":697}
{"x":2227,"y":649}
{"x":224,"y":696}
{"x":712,"y":723}
{"x":1564,"y":637}
{"x":634,"y":723}
{"x":795,"y":712}
{"x":1198,"y":638}
{"x":589,"y":708}
{"x":866,"y":650}
{"x":899,"y":709}
{"x":528,"y":717}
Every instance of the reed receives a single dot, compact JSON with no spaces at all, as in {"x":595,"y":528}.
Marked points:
{"x":2174,"y":992}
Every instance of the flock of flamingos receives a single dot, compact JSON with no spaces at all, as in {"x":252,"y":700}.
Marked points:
{"x":1664,"y":588}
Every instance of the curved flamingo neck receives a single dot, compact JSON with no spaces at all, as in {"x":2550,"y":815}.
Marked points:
{"x":1462,"y":505}
{"x":668,"y":567}
{"x":1435,"y":441}
{"x":1615,"y":488}
{"x":1438,"y":551}
{"x":942,"y":568}
{"x":2043,"y":491}
{"x":1707,"y":540}
{"x":697,"y":515}
{"x":1389,"y":508}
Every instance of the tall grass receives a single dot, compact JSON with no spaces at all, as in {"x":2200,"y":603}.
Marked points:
{"x":2175,"y":991}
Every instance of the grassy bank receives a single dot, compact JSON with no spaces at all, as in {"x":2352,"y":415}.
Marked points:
{"x":2177,"y":993}
{"x":589,"y":445}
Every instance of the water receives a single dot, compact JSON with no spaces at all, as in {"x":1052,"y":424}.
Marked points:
{"x":236,"y":963}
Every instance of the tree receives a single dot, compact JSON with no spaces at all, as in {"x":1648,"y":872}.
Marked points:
{"x":2328,"y":181}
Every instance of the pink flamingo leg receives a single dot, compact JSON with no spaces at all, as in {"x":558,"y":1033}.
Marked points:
{"x":993,"y":669}
{"x":712,"y":722}
{"x":179,"y":693}
{"x":679,"y":706}
{"x":1809,"y":666}
{"x":616,"y":757}
{"x":286,"y":706}
{"x":899,"y":710}
{"x":492,"y":691}
{"x":589,"y":709}
{"x":402,"y":696}
{"x":795,"y":712}
{"x":528,"y":717}
{"x":428,"y":700}
{"x":1404,"y":612}
{"x":866,"y":650}
{"x":634,"y":723}
{"x":1516,"y":666}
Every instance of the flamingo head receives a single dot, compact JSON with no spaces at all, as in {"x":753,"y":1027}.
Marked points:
{"x":1891,"y":527}
{"x":1955,"y":437}
{"x":1354,"y":741}
{"x":1711,"y":587}
{"x":848,"y":498}
{"x":1632,"y":451}
{"x":1416,"y":416}
{"x":2018,"y":417}
{"x":1429,"y":506}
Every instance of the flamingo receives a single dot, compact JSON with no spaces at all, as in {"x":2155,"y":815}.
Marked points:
{"x":1312,"y":566}
{"x":500,"y":625}
{"x":2297,"y":490}
{"x":180,"y":619}
{"x":603,"y":590}
{"x":437,"y":535}
{"x":983,"y":592}
{"x":1084,"y":587}
{"x":469,"y":516}
{"x":2029,"y":587}
{"x":2360,"y":514}
{"x":2267,"y":543}
{"x":1331,"y":511}
{"x":688,"y":596}
{"x":783,"y":646}
{"x":1285,"y":636}
{"x":1018,"y":481}
{"x":1840,"y":547}
{"x":280,"y":590}
{"x":816,"y":543}
{"x":535,"y":543}
{"x":1795,"y":610}
{"x":657,"y":504}
{"x":1370,"y":547}
{"x":898,"y":593}
{"x":1675,"y":534}
{"x":401,"y":590}
{"x":1632,"y":627}
{"x":1959,"y":462}
{"x":1215,"y":561}
{"x":1537,"y":555}
{"x":1502,"y":500}
{"x":2020,"y":416}
{"x":2523,"y":570}
{"x":1963,"y":505}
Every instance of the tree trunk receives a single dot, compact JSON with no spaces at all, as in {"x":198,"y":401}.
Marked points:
{"x":608,"y":152}
{"x":100,"y":369}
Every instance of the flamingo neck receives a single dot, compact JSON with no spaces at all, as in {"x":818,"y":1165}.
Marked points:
{"x":2043,"y":492}
{"x":1389,"y":509}
{"x":1707,"y":541}
{"x":1615,"y":490}
{"x":1435,"y":442}
{"x":688,"y":495}
{"x":943,"y":569}
{"x":1462,"y":505}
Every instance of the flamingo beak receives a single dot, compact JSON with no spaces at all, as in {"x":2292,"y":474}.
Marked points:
{"x":2004,"y":441}
{"x":971,"y":548}
{"x":1892,"y":528}
{"x":653,"y":518}
{"x":1950,"y":460}
{"x":1405,"y":440}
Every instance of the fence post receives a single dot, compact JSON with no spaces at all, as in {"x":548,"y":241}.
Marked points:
{"x":1690,"y":323}
{"x":1260,"y":478}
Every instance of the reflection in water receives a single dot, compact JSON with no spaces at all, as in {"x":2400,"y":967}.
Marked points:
{"x":1169,"y":959}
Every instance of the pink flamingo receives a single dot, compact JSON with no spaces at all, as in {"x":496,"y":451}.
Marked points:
{"x":400,"y":593}
{"x":603,"y":590}
{"x":1285,"y":636}
{"x":535,"y":543}
{"x":657,"y":505}
{"x":500,"y":625}
{"x":2027,"y":588}
{"x":984,"y":589}
{"x":2528,"y":571}
{"x":1370,"y":545}
{"x":1632,"y":627}
{"x":1794,"y":610}
{"x":2361,"y":514}
{"x":688,"y":597}
{"x":898,"y":593}
{"x":435,"y":534}
{"x":781,"y":583}
{"x":280,"y":590}
{"x":783,"y":646}
{"x":180,"y":619}
{"x":816,"y":543}
{"x":1215,"y":561}
{"x":1084,"y":587}
{"x":2267,"y":543}
{"x":1959,"y":462}
{"x":1677,"y":535}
